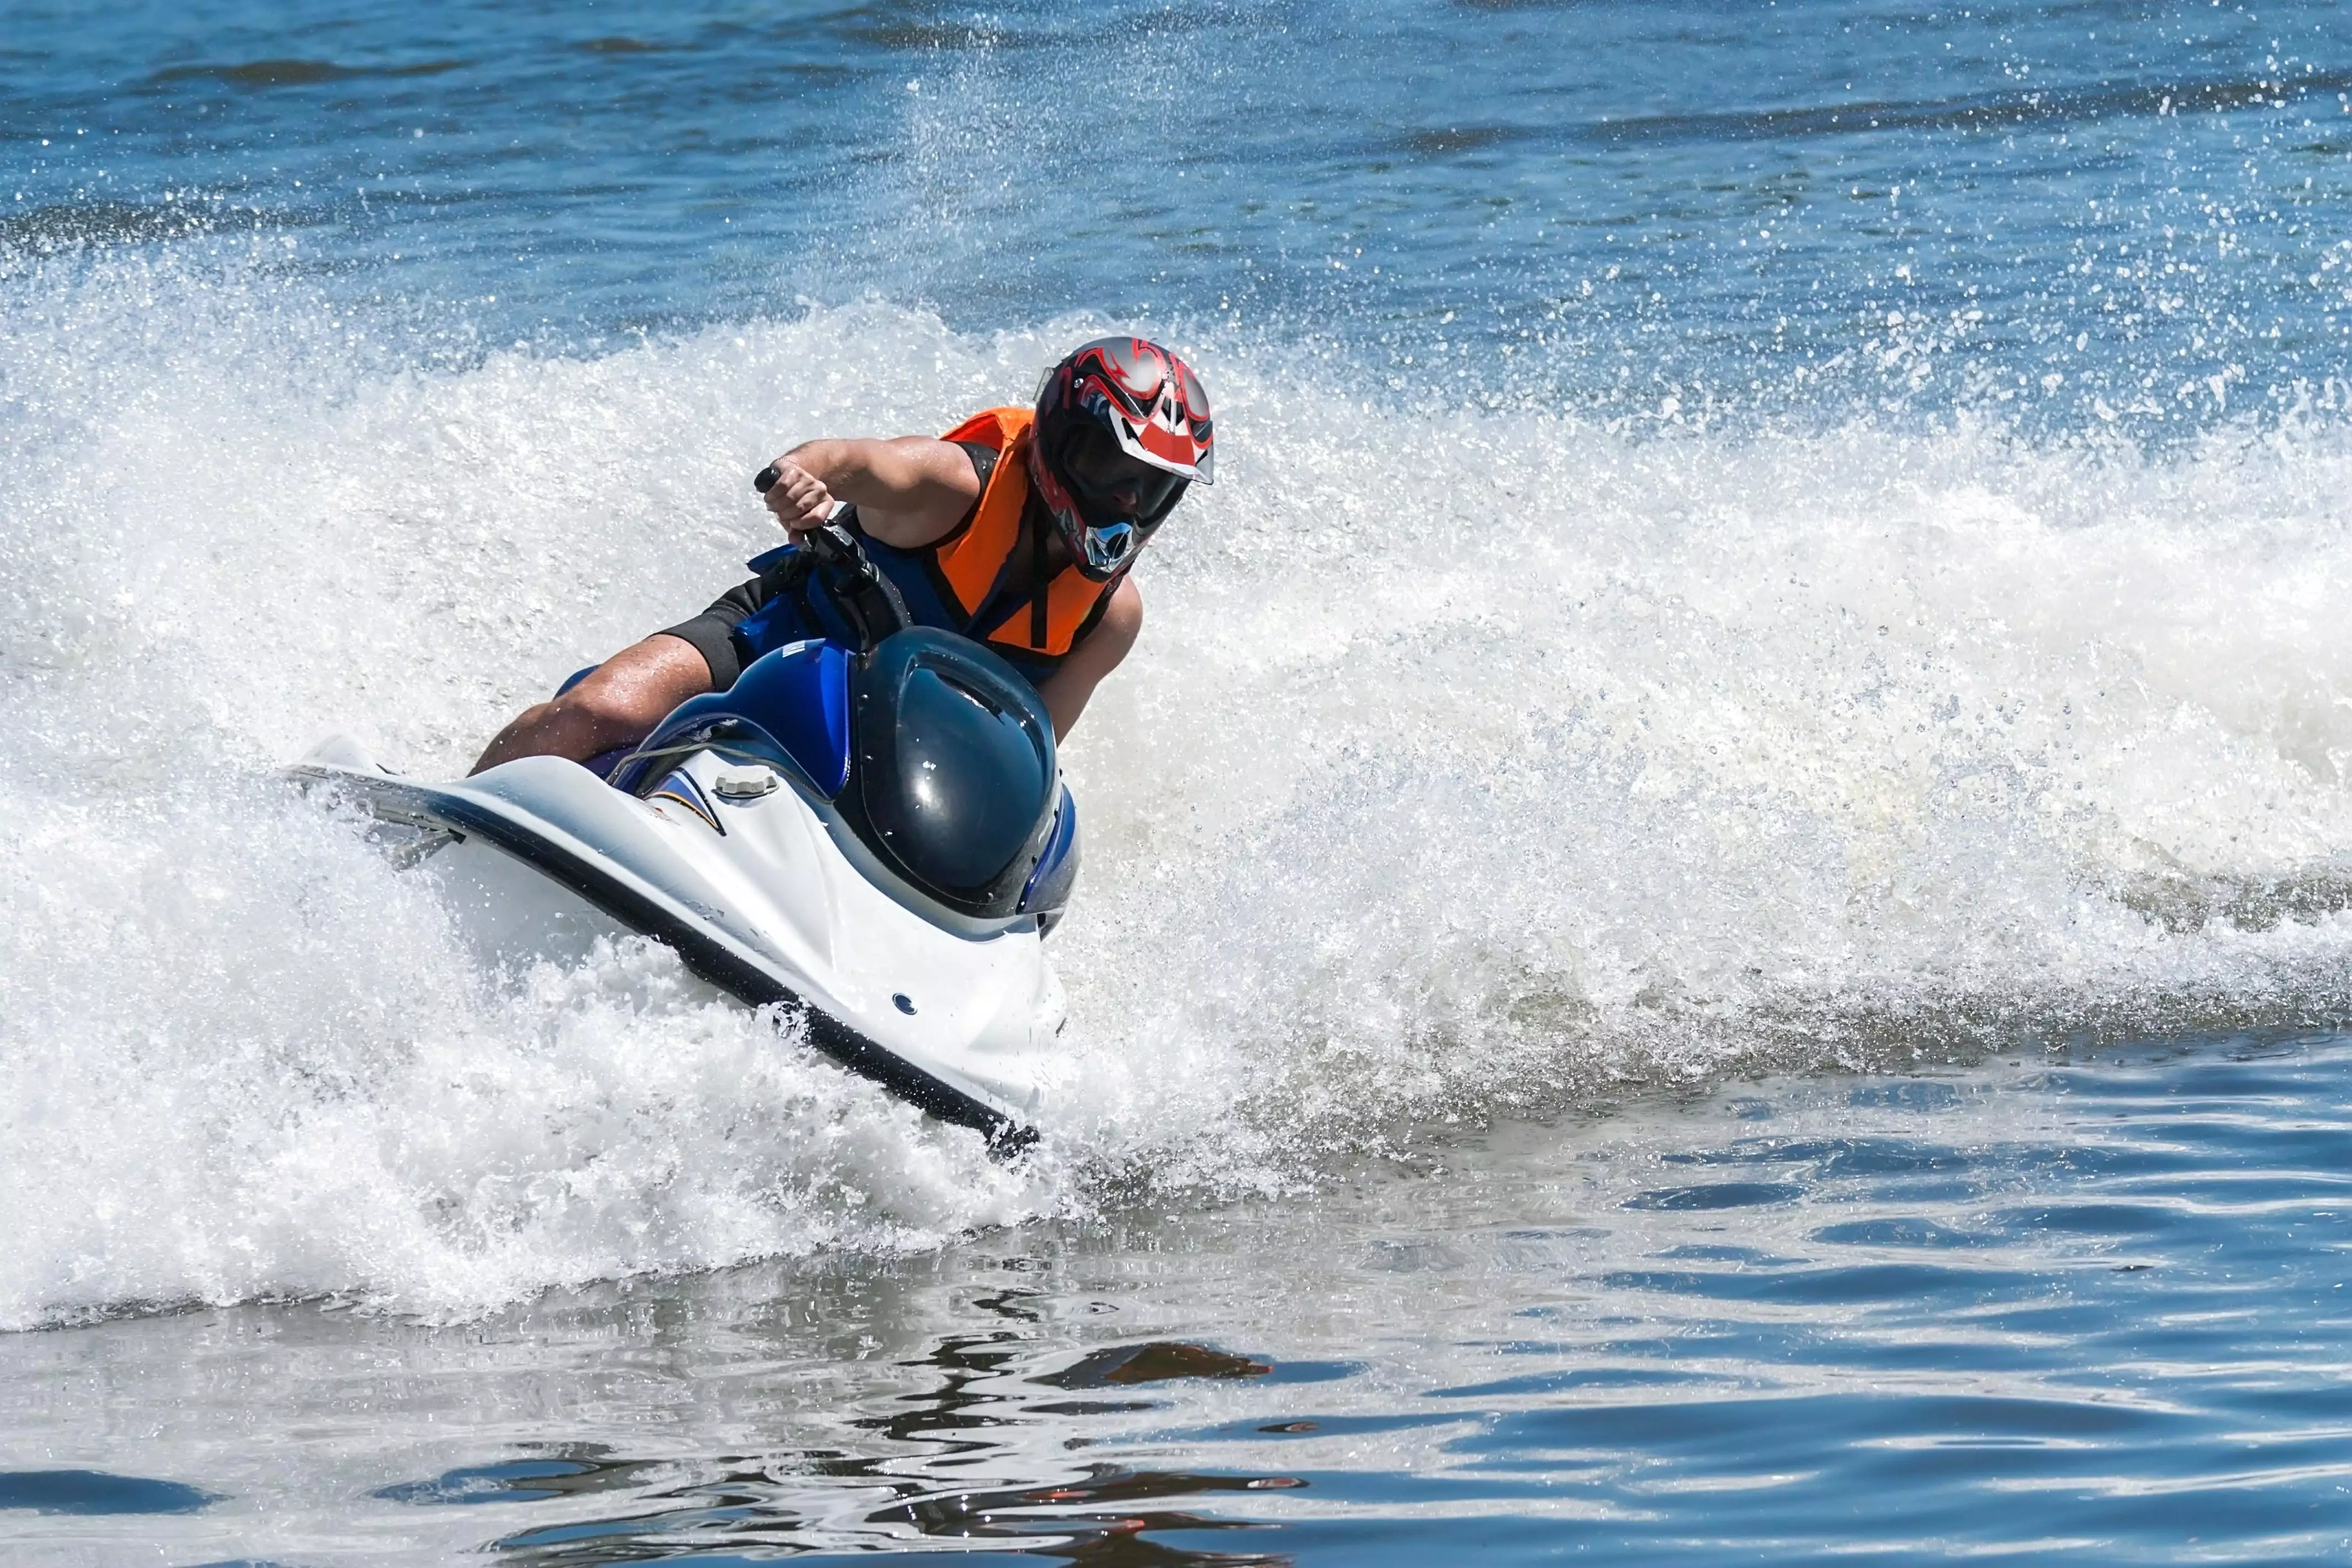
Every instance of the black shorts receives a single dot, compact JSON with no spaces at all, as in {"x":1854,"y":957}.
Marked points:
{"x":712,"y":633}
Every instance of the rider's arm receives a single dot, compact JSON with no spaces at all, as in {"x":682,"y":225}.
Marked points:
{"x":909,"y":491}
{"x":1066,"y":689}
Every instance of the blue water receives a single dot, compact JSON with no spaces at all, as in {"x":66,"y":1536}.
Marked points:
{"x":2090,"y":1310}
{"x":1716,"y":924}
{"x":1580,"y":201}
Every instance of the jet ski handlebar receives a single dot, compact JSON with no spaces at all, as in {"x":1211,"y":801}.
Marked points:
{"x":837,"y":565}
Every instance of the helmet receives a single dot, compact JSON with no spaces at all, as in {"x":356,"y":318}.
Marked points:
{"x":1122,"y":428}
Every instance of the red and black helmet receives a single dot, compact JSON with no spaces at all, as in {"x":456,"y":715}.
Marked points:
{"x":1122,"y":428}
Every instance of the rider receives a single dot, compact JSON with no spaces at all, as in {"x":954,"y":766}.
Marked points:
{"x":1016,"y":528}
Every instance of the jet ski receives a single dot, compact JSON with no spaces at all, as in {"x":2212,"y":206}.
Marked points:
{"x":872,"y":834}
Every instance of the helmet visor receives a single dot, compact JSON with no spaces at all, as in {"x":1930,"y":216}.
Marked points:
{"x":1110,"y":483}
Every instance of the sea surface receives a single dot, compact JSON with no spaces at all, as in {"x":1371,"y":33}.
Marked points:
{"x":1717,"y":914}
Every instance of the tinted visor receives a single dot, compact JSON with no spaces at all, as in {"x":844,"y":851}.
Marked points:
{"x":1110,"y":483}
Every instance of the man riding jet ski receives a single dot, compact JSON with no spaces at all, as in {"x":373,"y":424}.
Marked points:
{"x":1015,"y":529}
{"x":837,"y":787}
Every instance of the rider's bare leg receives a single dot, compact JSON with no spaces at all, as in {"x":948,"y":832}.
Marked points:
{"x":620,"y":703}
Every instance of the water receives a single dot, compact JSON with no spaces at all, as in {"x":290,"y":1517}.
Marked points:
{"x":1715,"y":921}
{"x":2089,"y":1310}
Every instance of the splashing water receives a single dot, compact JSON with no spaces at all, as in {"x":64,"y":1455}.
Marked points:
{"x":1472,"y":763}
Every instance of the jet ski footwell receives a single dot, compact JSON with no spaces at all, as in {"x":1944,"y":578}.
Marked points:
{"x":960,"y":1022}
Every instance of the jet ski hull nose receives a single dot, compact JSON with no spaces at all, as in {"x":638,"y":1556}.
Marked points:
{"x":763,"y":892}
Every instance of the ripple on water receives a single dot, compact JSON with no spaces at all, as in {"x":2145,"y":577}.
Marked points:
{"x":1517,"y":1358}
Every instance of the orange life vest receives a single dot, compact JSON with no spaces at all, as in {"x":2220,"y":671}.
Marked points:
{"x":975,"y":560}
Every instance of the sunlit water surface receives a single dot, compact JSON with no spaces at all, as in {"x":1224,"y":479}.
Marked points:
{"x":2091,"y":1309}
{"x":1715,"y":910}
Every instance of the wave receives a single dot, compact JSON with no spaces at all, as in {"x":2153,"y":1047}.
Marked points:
{"x":1472,"y":763}
{"x":2085,"y":103}
{"x":57,"y":226}
{"x":271,"y":73}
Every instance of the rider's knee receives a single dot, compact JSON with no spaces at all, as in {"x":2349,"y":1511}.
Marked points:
{"x":611,"y":716}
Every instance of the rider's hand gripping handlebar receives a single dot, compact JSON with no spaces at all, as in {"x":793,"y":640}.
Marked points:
{"x":868,"y":600}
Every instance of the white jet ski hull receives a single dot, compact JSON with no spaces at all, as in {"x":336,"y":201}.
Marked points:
{"x":758,"y":892}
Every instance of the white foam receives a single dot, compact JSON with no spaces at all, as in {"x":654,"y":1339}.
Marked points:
{"x":1467,"y":763}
